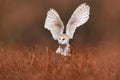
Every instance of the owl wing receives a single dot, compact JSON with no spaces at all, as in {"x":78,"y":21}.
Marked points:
{"x":54,"y":23}
{"x":78,"y":18}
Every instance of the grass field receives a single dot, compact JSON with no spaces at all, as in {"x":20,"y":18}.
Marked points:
{"x":88,"y":63}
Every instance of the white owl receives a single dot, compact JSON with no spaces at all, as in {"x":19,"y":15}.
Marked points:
{"x":54,"y":23}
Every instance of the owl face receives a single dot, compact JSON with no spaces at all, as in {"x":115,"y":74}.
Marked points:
{"x":63,"y":39}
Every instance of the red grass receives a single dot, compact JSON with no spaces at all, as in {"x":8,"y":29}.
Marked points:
{"x":89,"y":63}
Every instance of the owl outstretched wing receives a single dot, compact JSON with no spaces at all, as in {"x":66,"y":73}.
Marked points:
{"x":78,"y":18}
{"x":54,"y":23}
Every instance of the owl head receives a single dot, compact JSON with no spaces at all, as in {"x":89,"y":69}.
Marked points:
{"x":63,"y":39}
{"x":54,"y":23}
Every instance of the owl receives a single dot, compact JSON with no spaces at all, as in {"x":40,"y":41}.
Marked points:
{"x":55,"y":25}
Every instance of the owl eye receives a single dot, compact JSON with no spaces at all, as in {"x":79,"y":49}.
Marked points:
{"x":63,"y":39}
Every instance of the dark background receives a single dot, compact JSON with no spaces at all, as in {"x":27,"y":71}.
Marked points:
{"x":22,"y":21}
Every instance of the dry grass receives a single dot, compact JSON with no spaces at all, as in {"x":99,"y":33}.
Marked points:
{"x":88,"y":63}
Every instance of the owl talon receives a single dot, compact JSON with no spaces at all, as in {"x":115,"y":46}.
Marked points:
{"x":66,"y":54}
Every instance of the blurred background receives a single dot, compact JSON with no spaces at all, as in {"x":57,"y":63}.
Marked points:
{"x":22,"y":21}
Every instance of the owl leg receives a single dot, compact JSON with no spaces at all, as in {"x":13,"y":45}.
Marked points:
{"x":66,"y":51}
{"x":59,"y":50}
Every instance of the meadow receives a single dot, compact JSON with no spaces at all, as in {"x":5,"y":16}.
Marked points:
{"x":87,"y":63}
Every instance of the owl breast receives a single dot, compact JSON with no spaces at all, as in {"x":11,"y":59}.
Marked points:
{"x":63,"y":46}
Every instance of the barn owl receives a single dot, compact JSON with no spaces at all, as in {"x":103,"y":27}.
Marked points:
{"x":54,"y":23}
